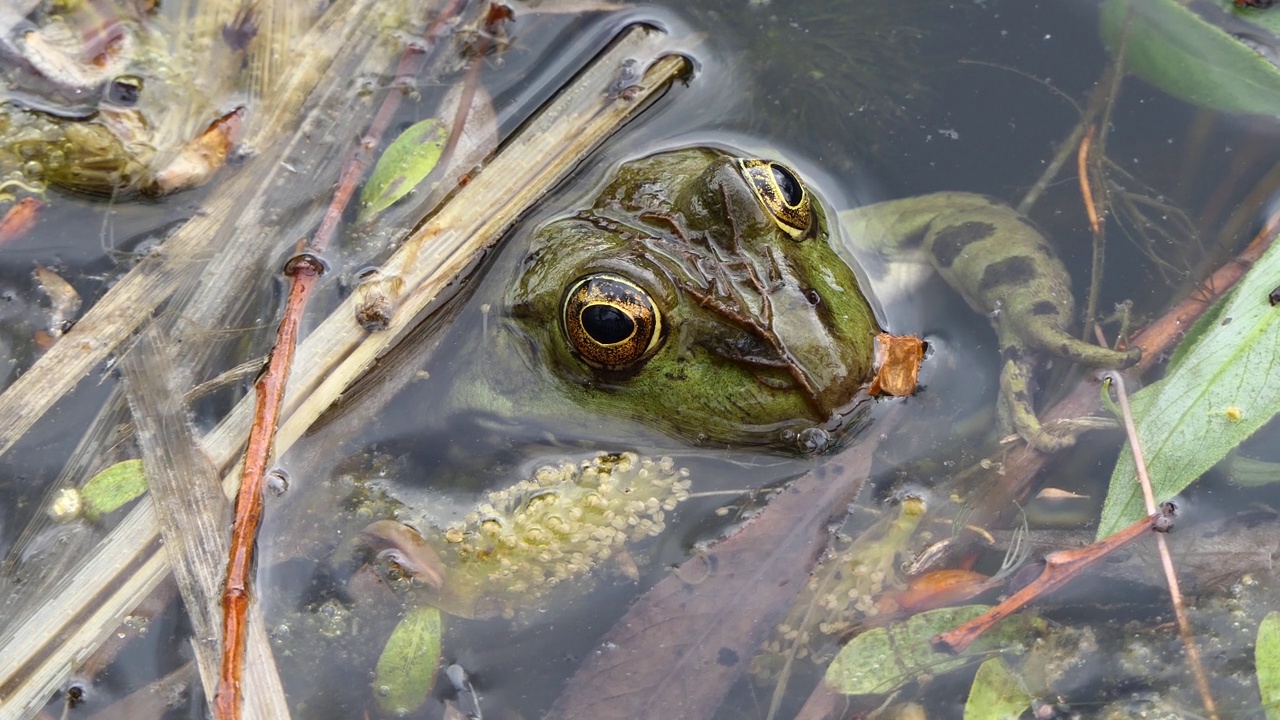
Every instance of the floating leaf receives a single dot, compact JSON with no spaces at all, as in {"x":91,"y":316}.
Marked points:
{"x":104,"y":493}
{"x":407,"y":668}
{"x":1181,"y":53}
{"x":412,"y":162}
{"x":403,"y":165}
{"x":1225,"y":387}
{"x":884,"y":659}
{"x":996,"y":693}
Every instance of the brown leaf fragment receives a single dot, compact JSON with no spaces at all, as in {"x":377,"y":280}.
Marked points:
{"x":898,"y":359}
{"x":678,"y":650}
{"x":64,"y":301}
{"x":19,"y":219}
{"x":202,"y":157}
{"x":406,"y":548}
{"x":938,"y":588}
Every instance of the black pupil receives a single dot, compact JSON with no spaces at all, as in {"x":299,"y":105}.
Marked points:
{"x":607,"y":324}
{"x":788,"y":183}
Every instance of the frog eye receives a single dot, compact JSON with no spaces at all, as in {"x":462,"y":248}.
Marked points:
{"x":610,"y":321}
{"x":781,"y":194}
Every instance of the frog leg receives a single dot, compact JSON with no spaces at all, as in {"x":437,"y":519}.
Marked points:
{"x":1003,"y":267}
{"x":1015,"y":408}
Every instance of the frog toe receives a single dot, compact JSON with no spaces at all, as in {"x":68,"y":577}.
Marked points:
{"x":1017,"y":410}
{"x":1053,"y":340}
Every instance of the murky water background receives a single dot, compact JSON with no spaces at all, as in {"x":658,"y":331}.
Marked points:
{"x":869,"y":101}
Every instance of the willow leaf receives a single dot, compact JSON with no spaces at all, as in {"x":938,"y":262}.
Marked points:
{"x":1188,"y":57}
{"x":1225,"y":387}
{"x":407,"y":161}
{"x":1266,"y":660}
{"x":884,"y":659}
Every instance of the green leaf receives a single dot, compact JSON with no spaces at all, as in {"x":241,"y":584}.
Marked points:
{"x":996,"y":693}
{"x":1226,"y":386}
{"x":403,"y":166}
{"x":1266,"y":660}
{"x":884,"y":659}
{"x":1176,"y":50}
{"x":407,"y":668}
{"x":112,"y":488}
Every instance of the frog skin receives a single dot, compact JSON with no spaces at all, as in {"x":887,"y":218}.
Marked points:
{"x":1004,"y":268}
{"x":700,"y":296}
{"x":735,"y":322}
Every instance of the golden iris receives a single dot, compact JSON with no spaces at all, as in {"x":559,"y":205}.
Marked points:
{"x":610,"y":321}
{"x":781,"y":194}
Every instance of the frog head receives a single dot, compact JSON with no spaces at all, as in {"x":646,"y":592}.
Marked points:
{"x":701,"y":296}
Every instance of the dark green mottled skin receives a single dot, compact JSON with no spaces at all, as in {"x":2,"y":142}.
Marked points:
{"x":1004,"y":268}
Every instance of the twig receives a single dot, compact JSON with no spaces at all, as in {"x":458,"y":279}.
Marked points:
{"x":1095,"y":210}
{"x":1171,"y":577}
{"x":1059,"y":569}
{"x":1093,"y":171}
{"x":1086,"y":191}
{"x":1091,"y":111}
{"x":303,"y":269}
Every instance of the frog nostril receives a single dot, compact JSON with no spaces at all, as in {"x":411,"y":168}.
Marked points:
{"x":812,"y":297}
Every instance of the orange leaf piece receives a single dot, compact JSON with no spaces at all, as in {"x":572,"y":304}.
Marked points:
{"x":898,"y":359}
{"x":941,"y":588}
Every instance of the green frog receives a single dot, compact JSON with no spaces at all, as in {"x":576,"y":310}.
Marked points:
{"x":700,"y":296}
{"x":704,"y":295}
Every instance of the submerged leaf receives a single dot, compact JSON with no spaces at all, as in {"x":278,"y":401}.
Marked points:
{"x":1225,"y":387}
{"x":996,"y":693}
{"x":404,"y":164}
{"x":112,"y":488}
{"x":1267,"y":662}
{"x":1179,"y":52}
{"x":884,"y":659}
{"x":407,"y":669}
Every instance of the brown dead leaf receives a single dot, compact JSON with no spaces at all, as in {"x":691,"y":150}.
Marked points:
{"x":202,"y":157}
{"x":898,"y":359}
{"x":679,"y":649}
{"x":19,"y":219}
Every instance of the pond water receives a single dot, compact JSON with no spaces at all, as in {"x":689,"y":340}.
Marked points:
{"x":866,"y":102}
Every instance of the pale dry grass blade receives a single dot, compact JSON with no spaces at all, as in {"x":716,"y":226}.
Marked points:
{"x":128,"y":563}
{"x":192,"y":514}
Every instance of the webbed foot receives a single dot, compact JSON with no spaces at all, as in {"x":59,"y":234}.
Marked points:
{"x":1016,"y":410}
